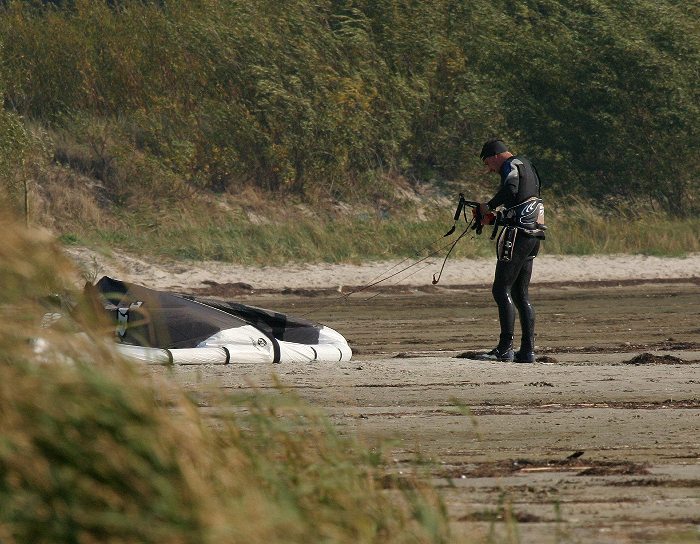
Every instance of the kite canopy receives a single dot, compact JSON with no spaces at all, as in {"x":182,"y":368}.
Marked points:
{"x":161,"y":327}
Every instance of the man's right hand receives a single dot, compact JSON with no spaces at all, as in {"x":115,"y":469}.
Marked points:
{"x":487,"y":218}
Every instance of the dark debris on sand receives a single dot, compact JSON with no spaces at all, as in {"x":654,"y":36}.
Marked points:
{"x":572,"y":463}
{"x":469,"y":355}
{"x":651,"y":359}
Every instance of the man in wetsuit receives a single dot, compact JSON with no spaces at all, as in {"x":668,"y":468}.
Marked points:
{"x":522,"y":217}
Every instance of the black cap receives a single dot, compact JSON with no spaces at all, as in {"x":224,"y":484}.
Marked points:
{"x":491,"y":148}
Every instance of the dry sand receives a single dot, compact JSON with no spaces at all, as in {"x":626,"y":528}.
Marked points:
{"x":161,"y":274}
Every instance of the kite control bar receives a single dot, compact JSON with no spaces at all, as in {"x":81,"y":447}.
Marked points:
{"x":461,"y":205}
{"x":476,"y":223}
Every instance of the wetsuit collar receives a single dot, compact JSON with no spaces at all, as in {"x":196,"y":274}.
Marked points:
{"x":505,"y":167}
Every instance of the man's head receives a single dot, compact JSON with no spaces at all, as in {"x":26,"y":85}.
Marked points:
{"x":493,"y":153}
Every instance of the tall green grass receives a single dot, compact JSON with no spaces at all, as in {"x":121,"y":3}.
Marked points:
{"x":94,"y":450}
{"x":357,"y":236}
{"x":584,"y":230}
{"x":304,"y":240}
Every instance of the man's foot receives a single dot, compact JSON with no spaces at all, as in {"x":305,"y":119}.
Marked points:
{"x":496,"y":354}
{"x":524,"y":357}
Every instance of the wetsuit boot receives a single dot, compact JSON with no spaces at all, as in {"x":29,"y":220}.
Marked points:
{"x":524,"y":356}
{"x":526,"y":353}
{"x":502,"y":352}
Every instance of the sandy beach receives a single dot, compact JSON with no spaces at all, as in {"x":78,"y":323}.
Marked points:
{"x":163,"y":274}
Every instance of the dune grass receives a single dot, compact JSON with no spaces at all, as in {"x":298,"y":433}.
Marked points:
{"x":653,"y":234}
{"x":95,"y":450}
{"x":304,"y":241}
{"x":359,"y":236}
{"x":582,"y":229}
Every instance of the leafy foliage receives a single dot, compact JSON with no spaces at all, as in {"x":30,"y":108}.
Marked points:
{"x":14,"y":146}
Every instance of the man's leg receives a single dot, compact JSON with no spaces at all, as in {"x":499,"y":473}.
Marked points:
{"x":506,"y":273}
{"x":509,"y":290}
{"x":526,"y":313}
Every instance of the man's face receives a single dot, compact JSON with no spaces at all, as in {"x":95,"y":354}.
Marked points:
{"x":492,"y":163}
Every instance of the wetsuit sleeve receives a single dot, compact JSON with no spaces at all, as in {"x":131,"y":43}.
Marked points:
{"x":509,"y":188}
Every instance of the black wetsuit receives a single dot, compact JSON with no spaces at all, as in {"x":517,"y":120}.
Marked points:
{"x":519,"y":183}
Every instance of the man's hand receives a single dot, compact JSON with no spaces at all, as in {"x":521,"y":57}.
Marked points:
{"x":488,"y":218}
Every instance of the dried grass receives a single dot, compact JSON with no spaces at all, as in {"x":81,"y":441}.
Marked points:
{"x":94,"y":450}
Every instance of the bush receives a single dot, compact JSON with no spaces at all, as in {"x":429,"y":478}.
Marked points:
{"x":312,"y":98}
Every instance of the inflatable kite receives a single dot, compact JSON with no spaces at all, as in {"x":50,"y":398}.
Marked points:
{"x":161,"y":327}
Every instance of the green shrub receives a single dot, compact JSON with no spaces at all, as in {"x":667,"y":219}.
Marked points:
{"x":310,"y":98}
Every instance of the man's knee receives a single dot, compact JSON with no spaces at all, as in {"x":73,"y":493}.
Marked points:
{"x":501,"y":294}
{"x":520,"y":299}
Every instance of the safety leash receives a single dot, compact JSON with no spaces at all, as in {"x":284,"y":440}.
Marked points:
{"x":475,"y":223}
